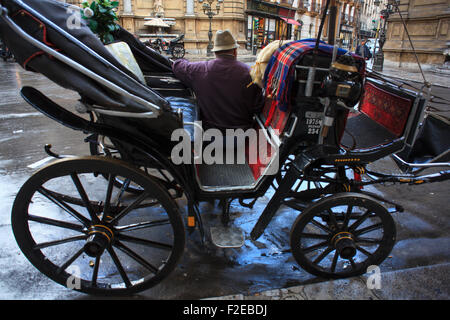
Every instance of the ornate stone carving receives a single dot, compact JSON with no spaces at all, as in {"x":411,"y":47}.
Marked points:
{"x":158,"y":9}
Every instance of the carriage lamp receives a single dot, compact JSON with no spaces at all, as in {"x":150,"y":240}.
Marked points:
{"x":340,"y":86}
{"x":207,"y":6}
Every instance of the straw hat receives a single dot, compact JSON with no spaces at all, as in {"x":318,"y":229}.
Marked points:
{"x":224,"y":40}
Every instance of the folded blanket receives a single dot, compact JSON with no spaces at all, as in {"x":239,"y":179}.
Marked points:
{"x":258,"y":69}
{"x":280,"y":69}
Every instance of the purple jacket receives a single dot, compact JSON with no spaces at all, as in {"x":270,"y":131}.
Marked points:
{"x":225,"y":98}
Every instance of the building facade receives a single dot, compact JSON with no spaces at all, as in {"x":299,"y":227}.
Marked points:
{"x":428,"y":23}
{"x":253,"y":22}
{"x":268,"y":21}
{"x":181,"y":17}
{"x":308,"y":15}
{"x":187,"y":18}
{"x":346,"y":24}
{"x":305,"y":17}
{"x":370,"y":17}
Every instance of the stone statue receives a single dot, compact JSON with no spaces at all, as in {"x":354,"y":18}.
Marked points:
{"x":158,"y":8}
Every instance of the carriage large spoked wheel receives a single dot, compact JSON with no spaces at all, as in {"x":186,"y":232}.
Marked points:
{"x":178,"y":51}
{"x":342,"y":235}
{"x":86,"y":233}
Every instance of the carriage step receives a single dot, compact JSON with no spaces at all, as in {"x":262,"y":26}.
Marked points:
{"x":227,"y":237}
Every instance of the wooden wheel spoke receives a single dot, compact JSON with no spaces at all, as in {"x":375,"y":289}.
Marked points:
{"x":84,"y":197}
{"x":58,"y":242}
{"x":130,"y":207}
{"x":136,"y":257}
{"x":335,"y":260}
{"x":368,"y":229}
{"x":108,"y":195}
{"x":364,"y":251}
{"x":348,"y":214}
{"x":321,"y":226}
{"x":145,"y":242}
{"x":299,"y":185}
{"x":143,"y":225}
{"x":360,"y":220}
{"x":70,"y":261}
{"x":323,"y":255}
{"x":56,"y":223}
{"x":315,"y":247}
{"x":122,"y":191}
{"x":369,"y":241}
{"x":119,"y":267}
{"x":95,"y":272}
{"x":332,"y":216}
{"x":58,"y":200}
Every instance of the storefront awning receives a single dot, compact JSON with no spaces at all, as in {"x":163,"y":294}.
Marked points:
{"x":270,"y":10}
{"x":292,"y":21}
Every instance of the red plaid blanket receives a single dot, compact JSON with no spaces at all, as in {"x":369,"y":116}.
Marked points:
{"x":280,"y":69}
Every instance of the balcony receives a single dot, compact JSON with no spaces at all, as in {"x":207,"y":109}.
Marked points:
{"x":309,"y":6}
{"x":315,"y":8}
{"x":303,"y":6}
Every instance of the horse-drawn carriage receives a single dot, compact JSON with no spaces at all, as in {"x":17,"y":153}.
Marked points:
{"x":115,"y":215}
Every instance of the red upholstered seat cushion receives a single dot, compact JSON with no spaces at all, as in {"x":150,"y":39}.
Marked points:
{"x":388,"y":109}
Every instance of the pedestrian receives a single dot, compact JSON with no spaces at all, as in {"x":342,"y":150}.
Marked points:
{"x":363,"y":50}
{"x":226,"y":96}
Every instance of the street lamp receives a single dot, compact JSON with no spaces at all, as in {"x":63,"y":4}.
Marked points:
{"x":208,"y":10}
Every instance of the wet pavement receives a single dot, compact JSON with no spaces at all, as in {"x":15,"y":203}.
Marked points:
{"x":423,"y":230}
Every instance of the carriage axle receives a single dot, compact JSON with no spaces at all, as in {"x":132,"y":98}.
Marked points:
{"x":100,"y":237}
{"x":344,"y":244}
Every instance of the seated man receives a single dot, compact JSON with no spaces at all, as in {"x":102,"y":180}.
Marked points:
{"x":227,"y":99}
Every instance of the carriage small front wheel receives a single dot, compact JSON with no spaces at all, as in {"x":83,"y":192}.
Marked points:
{"x":89,"y":234}
{"x":342,"y":235}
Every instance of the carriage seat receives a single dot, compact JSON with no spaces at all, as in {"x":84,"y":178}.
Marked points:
{"x":188,"y":108}
{"x":386,"y":113}
{"x":122,"y":52}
